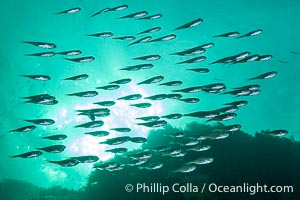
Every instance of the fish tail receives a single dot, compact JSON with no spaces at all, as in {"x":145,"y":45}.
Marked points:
{"x":14,"y":156}
{"x":251,"y":79}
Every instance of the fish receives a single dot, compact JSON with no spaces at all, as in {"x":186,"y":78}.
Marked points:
{"x":122,"y":130}
{"x":199,"y":148}
{"x":56,"y":137}
{"x":174,"y":96}
{"x":38,"y":77}
{"x":44,"y":45}
{"x":53,"y":149}
{"x":203,"y":114}
{"x":117,"y":150}
{"x":294,"y":52}
{"x":154,"y":124}
{"x":223,"y":117}
{"x":229,"y":128}
{"x":152,"y":166}
{"x":70,"y":53}
{"x":140,"y":156}
{"x":70,"y":11}
{"x":193,"y":60}
{"x":193,"y":89}
{"x":43,"y":54}
{"x":191,"y":51}
{"x":93,"y":124}
{"x":141,"y":105}
{"x":248,"y":87}
{"x":264,"y":58}
{"x":31,"y":154}
{"x":172,"y":83}
{"x":82,"y":59}
{"x":66,"y":163}
{"x":185,"y":169}
{"x":138,"y":67}
{"x":119,"y":8}
{"x":229,"y":34}
{"x":202,"y":161}
{"x":116,"y":140}
{"x":199,"y":70}
{"x":157,"y":97}
{"x":77,"y":77}
{"x":151,"y":30}
{"x":172,"y":116}
{"x":214,"y":87}
{"x":106,"y":165}
{"x":237,"y":103}
{"x":84,"y":94}
{"x":148,"y":58}
{"x":97,"y":133}
{"x":232,"y":59}
{"x":216,"y":136}
{"x":162,"y":148}
{"x":266,"y":75}
{"x":164,"y":38}
{"x":105,"y":103}
{"x":251,"y":33}
{"x":282,"y":61}
{"x":121,"y":81}
{"x":186,"y":141}
{"x":178,"y":134}
{"x":96,"y":112}
{"x":149,"y":118}
{"x":131,"y":97}
{"x":109,"y":87}
{"x":40,"y":96}
{"x":43,"y":101}
{"x":135,"y":15}
{"x":125,"y":38}
{"x":141,"y":40}
{"x":249,"y":58}
{"x":41,"y":121}
{"x":137,"y":162}
{"x":104,"y":10}
{"x":138,"y":139}
{"x":207,"y":45}
{"x":277,"y":133}
{"x":102,"y":34}
{"x":86,"y":159}
{"x":155,"y":16}
{"x":191,"y":24}
{"x":227,"y":109}
{"x":24,"y":129}
{"x":190,"y":100}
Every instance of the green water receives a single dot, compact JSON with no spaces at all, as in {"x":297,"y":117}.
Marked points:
{"x":277,"y":107}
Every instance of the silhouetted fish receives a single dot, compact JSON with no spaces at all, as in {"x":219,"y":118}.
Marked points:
{"x":148,"y":58}
{"x":172,"y":116}
{"x":223,"y":117}
{"x":190,"y":100}
{"x":193,"y":89}
{"x":82,"y":59}
{"x":116,"y":140}
{"x":56,"y":137}
{"x":97,"y":133}
{"x":31,"y":154}
{"x":43,"y":101}
{"x":277,"y":133}
{"x":172,"y":83}
{"x":135,"y":15}
{"x":24,"y":129}
{"x":152,"y":80}
{"x":185,"y":169}
{"x":70,"y":11}
{"x":105,"y":103}
{"x":164,"y":38}
{"x":93,"y":124}
{"x":142,"y":40}
{"x":264,"y":57}
{"x":151,"y":30}
{"x":140,"y":156}
{"x":191,"y":51}
{"x":109,"y":87}
{"x":66,"y":163}
{"x":193,"y":23}
{"x":70,"y":53}
{"x":44,"y":45}
{"x":101,"y":11}
{"x":38,"y":77}
{"x":237,"y":103}
{"x":53,"y":149}
{"x":141,"y":105}
{"x":294,"y":52}
{"x":102,"y":34}
{"x":78,"y":77}
{"x":203,"y":114}
{"x":43,"y":54}
{"x":86,"y":159}
{"x":199,"y":70}
{"x":266,"y":75}
{"x":252,"y":33}
{"x":149,"y":118}
{"x":232,"y":59}
{"x":229,"y":34}
{"x":138,"y":139}
{"x":131,"y":97}
{"x":119,"y":8}
{"x":174,"y":96}
{"x":117,"y":150}
{"x":193,"y":60}
{"x":152,"y":166}
{"x":157,"y":97}
{"x":126,"y":38}
{"x":122,"y":130}
{"x":201,"y":161}
{"x":229,"y":128}
{"x":41,"y":121}
{"x":138,"y":67}
{"x":122,"y":81}
{"x":227,"y":109}
{"x":154,"y":124}
{"x":84,"y":94}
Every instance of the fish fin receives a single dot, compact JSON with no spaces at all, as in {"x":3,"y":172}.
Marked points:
{"x":92,"y":117}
